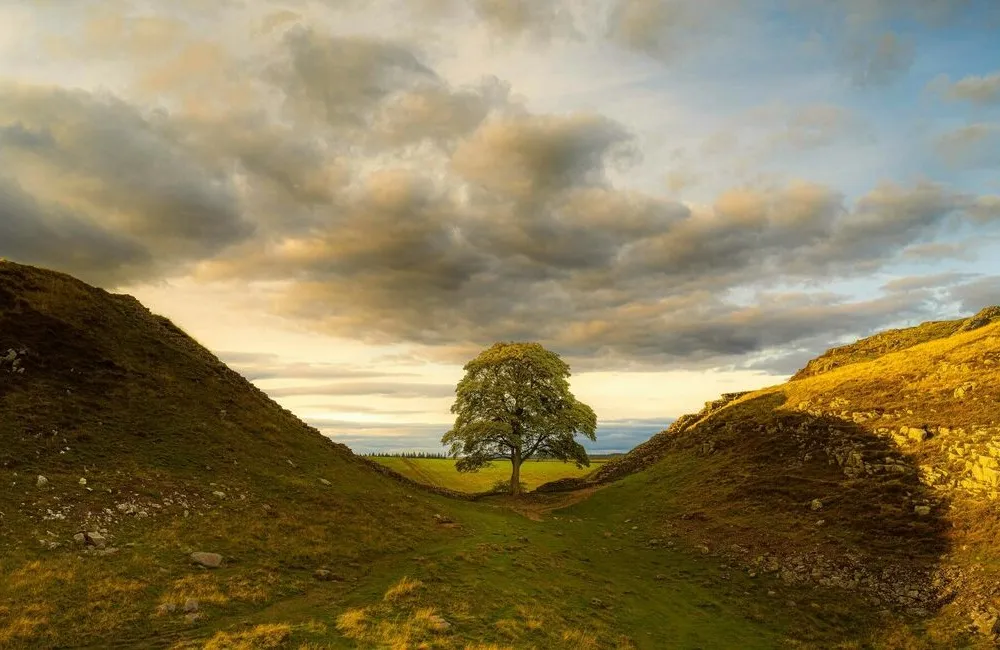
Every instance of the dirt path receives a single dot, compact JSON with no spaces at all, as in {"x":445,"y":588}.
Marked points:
{"x":536,"y":506}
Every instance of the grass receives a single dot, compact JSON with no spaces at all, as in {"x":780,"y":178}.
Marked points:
{"x":441,"y":472}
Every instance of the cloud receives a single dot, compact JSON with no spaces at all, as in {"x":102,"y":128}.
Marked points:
{"x":921,"y":282}
{"x":878,"y":60}
{"x":362,"y":193}
{"x":385,"y":388}
{"x":974,"y":296}
{"x":982,"y":90}
{"x":972,"y":146}
{"x":54,"y":236}
{"x":257,"y":367}
{"x":118,"y":170}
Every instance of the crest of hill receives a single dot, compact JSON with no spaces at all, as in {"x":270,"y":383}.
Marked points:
{"x":882,"y":343}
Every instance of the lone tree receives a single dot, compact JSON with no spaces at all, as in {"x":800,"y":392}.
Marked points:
{"x":514,"y":403}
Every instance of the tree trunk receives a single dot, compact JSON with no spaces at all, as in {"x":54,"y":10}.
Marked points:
{"x":515,"y":475}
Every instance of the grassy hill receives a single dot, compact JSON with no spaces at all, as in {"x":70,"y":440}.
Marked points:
{"x":876,"y":476}
{"x":126,"y":447}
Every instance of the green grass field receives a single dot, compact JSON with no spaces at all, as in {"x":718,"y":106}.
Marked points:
{"x":441,"y":472}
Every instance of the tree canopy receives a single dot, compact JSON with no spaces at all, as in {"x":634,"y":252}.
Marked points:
{"x":514,"y":403}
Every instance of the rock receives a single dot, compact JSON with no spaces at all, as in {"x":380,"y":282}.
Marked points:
{"x":987,"y":623}
{"x":522,"y":539}
{"x":166,"y":608}
{"x":191,"y":605}
{"x":816,"y":505}
{"x":219,"y":494}
{"x":923,"y":511}
{"x":437,"y":623}
{"x":917,"y":435}
{"x":597,"y":602}
{"x":83,"y":481}
{"x":80,"y":538}
{"x":207,"y":560}
{"x":704,"y":549}
{"x":192,"y":617}
{"x":42,"y":481}
{"x":96,"y":540}
{"x":326,"y":575}
{"x":325,"y":482}
{"x":442,"y":519}
{"x":962,"y":391}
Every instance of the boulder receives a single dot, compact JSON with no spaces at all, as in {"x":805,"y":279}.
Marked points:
{"x":207,"y":560}
{"x":96,"y":539}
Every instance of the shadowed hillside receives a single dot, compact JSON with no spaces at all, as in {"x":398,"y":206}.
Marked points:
{"x":876,"y":471}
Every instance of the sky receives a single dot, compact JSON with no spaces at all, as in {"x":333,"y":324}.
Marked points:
{"x":347,"y":200}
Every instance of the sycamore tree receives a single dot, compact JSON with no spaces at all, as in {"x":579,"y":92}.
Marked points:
{"x":514,"y":403}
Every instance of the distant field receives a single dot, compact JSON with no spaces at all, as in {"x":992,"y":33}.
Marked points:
{"x":441,"y":472}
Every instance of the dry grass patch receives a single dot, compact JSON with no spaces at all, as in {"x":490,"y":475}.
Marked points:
{"x":402,"y":589}
{"x":260,"y":637}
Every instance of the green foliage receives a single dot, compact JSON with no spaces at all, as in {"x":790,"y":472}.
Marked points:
{"x":514,"y":402}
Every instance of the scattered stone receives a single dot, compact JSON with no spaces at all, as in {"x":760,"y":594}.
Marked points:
{"x":191,"y":605}
{"x":442,"y":519}
{"x":219,"y":494}
{"x":42,"y":481}
{"x":325,"y":482}
{"x":816,"y":505}
{"x":207,"y":560}
{"x":437,"y":623}
{"x":704,"y":549}
{"x":325,"y":575}
{"x":962,"y":391}
{"x":165,"y":609}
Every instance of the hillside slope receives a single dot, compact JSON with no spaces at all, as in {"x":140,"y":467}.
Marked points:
{"x":121,"y":430}
{"x":877,"y":474}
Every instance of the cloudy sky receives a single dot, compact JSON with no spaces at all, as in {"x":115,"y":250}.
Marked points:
{"x":347,"y":199}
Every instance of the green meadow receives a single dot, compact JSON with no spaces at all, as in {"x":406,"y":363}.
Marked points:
{"x":441,"y":472}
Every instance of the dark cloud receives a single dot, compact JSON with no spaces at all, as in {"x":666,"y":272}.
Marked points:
{"x":974,"y":296}
{"x":54,"y":236}
{"x":116,"y":171}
